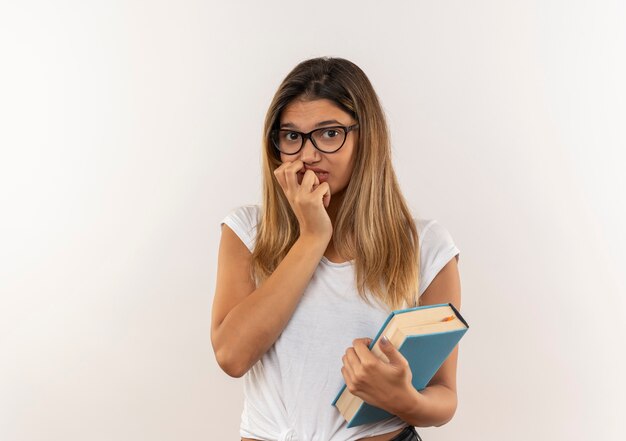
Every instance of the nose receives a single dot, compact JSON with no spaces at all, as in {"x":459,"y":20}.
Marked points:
{"x":309,"y":153}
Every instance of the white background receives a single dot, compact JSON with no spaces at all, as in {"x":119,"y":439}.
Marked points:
{"x":129,"y":129}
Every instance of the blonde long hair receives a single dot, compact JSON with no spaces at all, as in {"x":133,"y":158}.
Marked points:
{"x":373,"y":222}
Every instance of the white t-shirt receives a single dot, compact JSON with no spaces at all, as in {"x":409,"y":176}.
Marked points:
{"x":289,"y":391}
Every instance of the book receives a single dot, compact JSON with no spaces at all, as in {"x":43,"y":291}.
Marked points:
{"x":425,"y":336}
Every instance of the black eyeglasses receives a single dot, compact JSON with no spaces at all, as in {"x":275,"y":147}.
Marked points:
{"x":326,"y":139}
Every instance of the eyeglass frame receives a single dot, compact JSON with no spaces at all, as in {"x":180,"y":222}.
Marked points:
{"x":306,"y":136}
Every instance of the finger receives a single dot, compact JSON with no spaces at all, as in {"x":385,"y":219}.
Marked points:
{"x":301,"y":173}
{"x":393,"y":355}
{"x":326,"y":198}
{"x":279,"y":173}
{"x":351,"y":359}
{"x":290,"y":174}
{"x":282,"y":175}
{"x":348,"y":376}
{"x":283,"y":165}
{"x":363,"y":352}
{"x":323,"y":192}
{"x":364,"y":340}
{"x":309,"y":181}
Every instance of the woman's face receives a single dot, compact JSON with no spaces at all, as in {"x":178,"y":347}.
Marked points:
{"x":305,"y":116}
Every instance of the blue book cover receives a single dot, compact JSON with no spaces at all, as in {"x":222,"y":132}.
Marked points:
{"x":425,"y":353}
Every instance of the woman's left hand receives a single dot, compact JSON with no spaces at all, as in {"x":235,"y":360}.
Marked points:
{"x":381,"y":384}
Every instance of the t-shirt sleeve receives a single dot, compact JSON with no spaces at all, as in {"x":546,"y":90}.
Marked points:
{"x":243,"y":221}
{"x":436,"y":249}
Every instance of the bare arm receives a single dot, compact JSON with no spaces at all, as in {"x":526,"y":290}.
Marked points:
{"x":436,"y":404}
{"x":247,"y":321}
{"x":389,"y":385}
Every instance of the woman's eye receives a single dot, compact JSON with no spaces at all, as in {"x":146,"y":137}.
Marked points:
{"x":292,"y":136}
{"x":331,"y":133}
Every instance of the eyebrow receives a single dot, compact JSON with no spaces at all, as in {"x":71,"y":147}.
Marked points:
{"x":289,"y":125}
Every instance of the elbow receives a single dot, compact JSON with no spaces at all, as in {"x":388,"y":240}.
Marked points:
{"x":230,"y":365}
{"x":225,"y":357}
{"x":450,"y":415}
{"x":235,"y":372}
{"x":231,"y":357}
{"x":444,"y":422}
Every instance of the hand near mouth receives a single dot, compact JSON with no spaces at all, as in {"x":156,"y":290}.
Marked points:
{"x":318,"y":179}
{"x":308,"y":195}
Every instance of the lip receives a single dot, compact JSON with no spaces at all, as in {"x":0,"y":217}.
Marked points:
{"x":322,"y":175}
{"x":315,"y":169}
{"x":319,"y":174}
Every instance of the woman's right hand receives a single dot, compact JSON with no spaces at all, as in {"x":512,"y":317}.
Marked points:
{"x":308,"y":200}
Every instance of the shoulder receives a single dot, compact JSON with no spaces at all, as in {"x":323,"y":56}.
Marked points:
{"x":437,"y":247}
{"x":423,"y":225}
{"x":431,"y":232}
{"x":249,"y":213}
{"x":243,"y":220}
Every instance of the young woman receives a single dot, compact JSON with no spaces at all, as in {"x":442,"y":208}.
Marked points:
{"x":306,"y":279}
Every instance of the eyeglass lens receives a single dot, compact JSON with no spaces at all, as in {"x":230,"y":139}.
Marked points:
{"x":326,"y":139}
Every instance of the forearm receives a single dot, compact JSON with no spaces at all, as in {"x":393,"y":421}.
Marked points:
{"x":253,"y":326}
{"x":433,"y":406}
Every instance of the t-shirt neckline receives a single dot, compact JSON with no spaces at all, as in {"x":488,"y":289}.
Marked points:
{"x":337,"y":264}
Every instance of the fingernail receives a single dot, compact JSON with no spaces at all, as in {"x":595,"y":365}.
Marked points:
{"x":384,"y":340}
